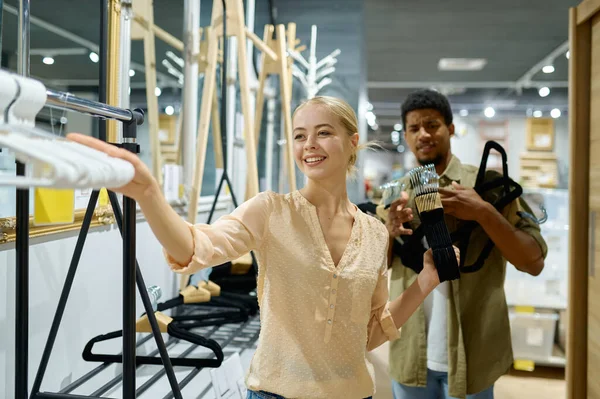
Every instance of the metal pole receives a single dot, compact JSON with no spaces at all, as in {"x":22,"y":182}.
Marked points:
{"x":22,"y":234}
{"x":189,"y":113}
{"x":124,"y":60}
{"x":129,"y":271}
{"x":270,"y":136}
{"x":103,"y":64}
{"x":66,"y":101}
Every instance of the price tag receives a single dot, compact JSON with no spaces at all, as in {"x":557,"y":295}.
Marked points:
{"x":228,"y":380}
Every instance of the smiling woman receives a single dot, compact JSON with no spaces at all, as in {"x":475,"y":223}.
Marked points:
{"x":341,"y":283}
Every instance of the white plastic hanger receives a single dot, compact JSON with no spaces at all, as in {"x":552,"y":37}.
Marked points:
{"x":52,"y":161}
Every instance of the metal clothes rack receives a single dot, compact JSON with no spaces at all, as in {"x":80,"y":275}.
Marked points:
{"x":127,"y":221}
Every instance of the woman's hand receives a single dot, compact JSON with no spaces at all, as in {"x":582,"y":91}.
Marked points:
{"x":143,"y":183}
{"x":429,"y":278}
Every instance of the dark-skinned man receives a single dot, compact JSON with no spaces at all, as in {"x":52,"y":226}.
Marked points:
{"x":458,"y":343}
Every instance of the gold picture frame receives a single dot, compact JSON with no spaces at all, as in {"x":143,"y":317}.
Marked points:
{"x":103,"y":216}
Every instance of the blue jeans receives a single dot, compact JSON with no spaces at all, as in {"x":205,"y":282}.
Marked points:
{"x":267,"y":395}
{"x":437,"y":388}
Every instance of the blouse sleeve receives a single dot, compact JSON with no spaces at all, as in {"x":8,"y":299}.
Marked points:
{"x":228,"y":238}
{"x":381,"y":327}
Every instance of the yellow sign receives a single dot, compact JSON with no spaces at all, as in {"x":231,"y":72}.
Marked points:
{"x":103,"y":199}
{"x":53,"y":206}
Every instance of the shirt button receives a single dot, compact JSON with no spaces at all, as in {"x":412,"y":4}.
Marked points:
{"x":334,"y":275}
{"x":331,"y":306}
{"x":329,"y":321}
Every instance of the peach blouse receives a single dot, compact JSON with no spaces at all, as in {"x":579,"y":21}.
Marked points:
{"x":317,"y":320}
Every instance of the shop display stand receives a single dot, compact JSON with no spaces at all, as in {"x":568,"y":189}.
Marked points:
{"x":130,"y":119}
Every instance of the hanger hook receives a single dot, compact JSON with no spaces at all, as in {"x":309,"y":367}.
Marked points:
{"x":154,"y":292}
{"x":528,"y":215}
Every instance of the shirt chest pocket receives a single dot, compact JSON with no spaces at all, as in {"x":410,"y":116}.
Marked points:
{"x":362,"y":286}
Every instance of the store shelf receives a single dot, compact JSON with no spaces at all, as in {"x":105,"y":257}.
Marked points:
{"x":558,"y":359}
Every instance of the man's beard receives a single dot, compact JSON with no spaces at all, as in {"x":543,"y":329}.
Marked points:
{"x":435,"y":161}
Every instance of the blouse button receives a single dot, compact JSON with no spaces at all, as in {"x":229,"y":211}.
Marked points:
{"x":334,"y":275}
{"x":331,"y":306}
{"x":329,"y":321}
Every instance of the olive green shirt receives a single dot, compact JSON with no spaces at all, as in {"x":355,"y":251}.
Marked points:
{"x":479,"y":339}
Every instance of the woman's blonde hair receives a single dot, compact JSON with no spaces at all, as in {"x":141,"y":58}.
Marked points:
{"x":348,"y":119}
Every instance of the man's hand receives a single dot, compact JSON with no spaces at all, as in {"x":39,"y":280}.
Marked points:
{"x":462,"y":202}
{"x":398,"y":215}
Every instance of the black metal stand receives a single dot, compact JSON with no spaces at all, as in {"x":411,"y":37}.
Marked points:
{"x":22,"y":290}
{"x":22,"y":235}
{"x":129,"y":269}
{"x":126,"y":222}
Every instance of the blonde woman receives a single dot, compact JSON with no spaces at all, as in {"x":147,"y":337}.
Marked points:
{"x":322,"y":282}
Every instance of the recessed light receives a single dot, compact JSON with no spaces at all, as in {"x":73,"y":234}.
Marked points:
{"x":48,"y":60}
{"x":131,"y":73}
{"x":489,"y":112}
{"x":555,"y":113}
{"x":548,"y":69}
{"x":567,"y":54}
{"x":537,"y":114}
{"x":169,"y":110}
{"x":461,"y":64}
{"x":157,"y":91}
{"x":464,"y":112}
{"x":544,"y":91}
{"x":398,"y":126}
{"x":395,"y":137}
{"x":94,"y":57}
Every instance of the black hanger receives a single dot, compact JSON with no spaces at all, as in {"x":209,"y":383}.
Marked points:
{"x":412,"y":250}
{"x":174,"y":329}
{"x":192,"y":296}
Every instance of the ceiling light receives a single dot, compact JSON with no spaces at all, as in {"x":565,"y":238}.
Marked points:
{"x":464,"y":112}
{"x":537,"y":113}
{"x":169,"y":110}
{"x":48,"y":60}
{"x":369,"y":107}
{"x":400,"y":148}
{"x":157,"y":91}
{"x":567,"y":54}
{"x":131,"y":73}
{"x":398,"y":126}
{"x":555,"y":113}
{"x":548,"y":69}
{"x":371,"y":118}
{"x":395,"y":137}
{"x":529,"y":112}
{"x":461,"y":64}
{"x":544,"y":91}
{"x":94,"y":57}
{"x":375,"y":126}
{"x":489,"y":112}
